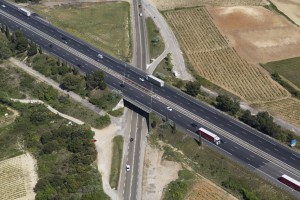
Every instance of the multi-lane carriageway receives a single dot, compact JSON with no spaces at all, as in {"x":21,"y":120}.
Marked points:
{"x":242,"y":143}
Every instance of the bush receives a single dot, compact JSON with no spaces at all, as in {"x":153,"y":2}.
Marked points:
{"x":226,"y":104}
{"x":103,"y":121}
{"x":193,"y":88}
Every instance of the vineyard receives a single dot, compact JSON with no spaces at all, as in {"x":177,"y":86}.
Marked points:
{"x":212,"y":57}
{"x":17,"y":178}
{"x":287,"y":109}
{"x":171,"y":4}
{"x":204,"y":189}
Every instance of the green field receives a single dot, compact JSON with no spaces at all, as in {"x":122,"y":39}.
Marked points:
{"x":289,"y":69}
{"x":116,"y":161}
{"x":104,"y":25}
{"x":155,"y":41}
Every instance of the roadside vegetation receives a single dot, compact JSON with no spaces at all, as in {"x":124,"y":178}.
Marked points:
{"x":207,"y":162}
{"x":155,"y":40}
{"x":116,"y":113}
{"x":104,"y":25}
{"x":179,"y":188}
{"x":116,"y":161}
{"x":65,"y":152}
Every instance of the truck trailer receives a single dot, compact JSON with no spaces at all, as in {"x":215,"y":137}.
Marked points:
{"x":155,"y":80}
{"x":209,"y":136}
{"x":290,"y":182}
{"x":25,"y":12}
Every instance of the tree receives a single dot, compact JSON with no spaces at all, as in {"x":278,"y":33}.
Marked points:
{"x":247,"y":118}
{"x":7,"y":33}
{"x":32,"y":50}
{"x":5,"y":51}
{"x":71,"y":82}
{"x":174,"y":128}
{"x":193,"y":88}
{"x":95,"y":79}
{"x":153,"y":124}
{"x":226,"y":104}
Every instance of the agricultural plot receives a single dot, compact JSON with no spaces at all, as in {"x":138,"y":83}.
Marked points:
{"x":17,"y":178}
{"x":171,"y":4}
{"x":290,"y":8}
{"x":212,"y":57}
{"x":258,"y":34}
{"x":287,"y":109}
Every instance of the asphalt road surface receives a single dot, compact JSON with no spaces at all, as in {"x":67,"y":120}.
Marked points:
{"x":242,"y":143}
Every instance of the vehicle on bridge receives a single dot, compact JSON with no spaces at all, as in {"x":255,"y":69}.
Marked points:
{"x":290,"y":182}
{"x":25,"y":12}
{"x":209,"y":136}
{"x":155,"y":80}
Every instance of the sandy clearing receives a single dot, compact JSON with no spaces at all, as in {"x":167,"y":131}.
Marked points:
{"x":18,"y":178}
{"x":290,"y":8}
{"x":158,"y":173}
{"x":258,"y":34}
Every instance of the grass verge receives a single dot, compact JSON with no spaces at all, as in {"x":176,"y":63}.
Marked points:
{"x":155,"y":40}
{"x":212,"y":165}
{"x":116,"y":161}
{"x":104,"y":25}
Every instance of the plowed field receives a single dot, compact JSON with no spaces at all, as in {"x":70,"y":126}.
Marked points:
{"x":258,"y":34}
{"x":171,"y":4}
{"x":212,"y":57}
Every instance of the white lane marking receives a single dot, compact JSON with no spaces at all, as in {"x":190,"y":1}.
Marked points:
{"x":276,"y":149}
{"x":295,"y":155}
{"x":235,"y":147}
{"x":260,"y":141}
{"x":292,"y":158}
{"x":251,"y":155}
{"x":229,"y":124}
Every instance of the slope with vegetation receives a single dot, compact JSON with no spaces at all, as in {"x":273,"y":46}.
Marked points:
{"x":210,"y":164}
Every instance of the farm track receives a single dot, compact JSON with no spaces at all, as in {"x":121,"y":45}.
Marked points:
{"x":213,"y":58}
{"x":171,"y":4}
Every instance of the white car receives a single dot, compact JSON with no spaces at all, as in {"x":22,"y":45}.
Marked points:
{"x":100,"y":56}
{"x":3,"y":6}
{"x":141,"y":79}
{"x":169,"y":108}
{"x":127,"y":168}
{"x":141,"y":14}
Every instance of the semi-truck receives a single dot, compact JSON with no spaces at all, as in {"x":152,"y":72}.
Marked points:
{"x":209,"y":136}
{"x":155,"y":80}
{"x":290,"y":182}
{"x":25,"y":12}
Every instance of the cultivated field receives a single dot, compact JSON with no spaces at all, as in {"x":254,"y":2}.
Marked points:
{"x":290,"y":8}
{"x":259,"y":35}
{"x":206,"y":190}
{"x":105,"y":25}
{"x":171,"y":4}
{"x":212,"y":57}
{"x":18,"y":178}
{"x":286,"y":109}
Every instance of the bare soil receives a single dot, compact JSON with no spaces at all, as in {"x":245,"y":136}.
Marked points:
{"x":258,"y":34}
{"x":158,"y":173}
{"x":290,"y":8}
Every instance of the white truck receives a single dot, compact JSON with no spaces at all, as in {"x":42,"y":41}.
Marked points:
{"x":25,"y":12}
{"x":155,"y":80}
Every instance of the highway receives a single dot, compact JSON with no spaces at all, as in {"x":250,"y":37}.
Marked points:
{"x":242,"y":143}
{"x":131,"y":185}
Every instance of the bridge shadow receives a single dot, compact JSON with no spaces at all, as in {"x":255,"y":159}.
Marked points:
{"x":137,"y":110}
